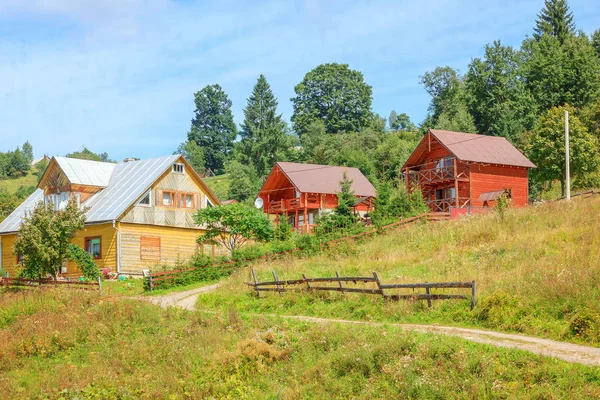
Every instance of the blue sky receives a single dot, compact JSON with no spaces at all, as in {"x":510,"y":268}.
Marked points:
{"x":119,"y":75}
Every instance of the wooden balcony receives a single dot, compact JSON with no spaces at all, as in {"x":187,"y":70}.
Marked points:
{"x":428,"y":177}
{"x":306,"y":201}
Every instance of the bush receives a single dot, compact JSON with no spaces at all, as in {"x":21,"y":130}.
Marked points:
{"x":585,"y":324}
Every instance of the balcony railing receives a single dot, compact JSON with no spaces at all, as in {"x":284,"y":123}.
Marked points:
{"x":444,"y":205}
{"x":431,"y":176}
{"x":283,"y":205}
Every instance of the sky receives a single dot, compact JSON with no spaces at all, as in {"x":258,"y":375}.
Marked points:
{"x":119,"y":76}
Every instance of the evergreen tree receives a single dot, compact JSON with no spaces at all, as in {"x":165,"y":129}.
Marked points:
{"x":596,"y":41}
{"x":346,"y":199}
{"x":263,"y":131}
{"x":555,"y":19}
{"x":213,"y":128}
{"x":393,"y":121}
{"x":28,"y":151}
{"x":194,"y":154}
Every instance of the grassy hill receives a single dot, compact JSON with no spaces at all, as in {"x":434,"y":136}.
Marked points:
{"x":219,"y":185}
{"x":537,"y":272}
{"x":67,"y":345}
{"x":13,"y":184}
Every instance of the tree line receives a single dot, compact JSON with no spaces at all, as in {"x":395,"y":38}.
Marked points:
{"x":517,"y":93}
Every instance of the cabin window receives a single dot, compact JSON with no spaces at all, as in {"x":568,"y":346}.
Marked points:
{"x":178,"y":168}
{"x":150,"y":248}
{"x":186,"y":200}
{"x":450,"y":193}
{"x":58,"y":200}
{"x":145,"y":200}
{"x":169,"y":199}
{"x":19,"y":258}
{"x":93,"y":245}
{"x":445,"y":162}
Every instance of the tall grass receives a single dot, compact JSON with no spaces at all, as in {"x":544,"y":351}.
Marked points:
{"x":537,"y":272}
{"x":62,"y":344}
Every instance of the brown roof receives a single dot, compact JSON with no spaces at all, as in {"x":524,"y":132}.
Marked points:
{"x":313,"y":178}
{"x":480,"y":148}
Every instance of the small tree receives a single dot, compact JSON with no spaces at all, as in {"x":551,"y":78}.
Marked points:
{"x":232,"y":225}
{"x":44,"y":238}
{"x":502,"y":204}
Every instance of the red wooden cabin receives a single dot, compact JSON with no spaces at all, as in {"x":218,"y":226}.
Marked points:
{"x":300,"y":192}
{"x":461,"y":173}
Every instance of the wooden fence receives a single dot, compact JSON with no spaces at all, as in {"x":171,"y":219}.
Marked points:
{"x":589,"y":193}
{"x":378,"y":288}
{"x":157,"y":278}
{"x":40,"y":283}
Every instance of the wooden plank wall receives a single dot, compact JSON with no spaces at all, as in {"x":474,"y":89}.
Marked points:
{"x":488,"y":178}
{"x":9,"y":260}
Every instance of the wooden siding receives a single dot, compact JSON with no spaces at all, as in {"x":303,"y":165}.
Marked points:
{"x":488,"y":178}
{"x":157,"y":214}
{"x":176,"y":244}
{"x":108,"y":237}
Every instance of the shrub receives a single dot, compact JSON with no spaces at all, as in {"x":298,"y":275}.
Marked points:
{"x":585,"y":324}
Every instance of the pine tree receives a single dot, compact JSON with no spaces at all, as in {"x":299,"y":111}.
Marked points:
{"x":393,"y":121}
{"x":263,"y":131}
{"x":28,"y":151}
{"x":346,"y":198}
{"x":555,"y":19}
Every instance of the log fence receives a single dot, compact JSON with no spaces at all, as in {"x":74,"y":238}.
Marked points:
{"x":42,"y":283}
{"x":377,"y":287}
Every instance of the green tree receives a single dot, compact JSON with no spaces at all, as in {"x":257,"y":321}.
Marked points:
{"x":40,"y":168}
{"x":44,"y":238}
{"x":28,"y":151}
{"x":335,"y":95}
{"x":545,"y":146}
{"x":263,"y":132}
{"x":346,"y":199}
{"x":194,"y":154}
{"x":595,"y":39}
{"x":244,"y":182}
{"x":232,"y":225}
{"x":18,"y":164}
{"x":213,"y":128}
{"x":555,"y":20}
{"x":393,"y":121}
{"x":86,"y":154}
{"x":497,"y":97}
{"x":558,"y":74}
{"x":8,"y":203}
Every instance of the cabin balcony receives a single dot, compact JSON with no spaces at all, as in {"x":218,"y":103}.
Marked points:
{"x":446,"y":170}
{"x":284,"y":205}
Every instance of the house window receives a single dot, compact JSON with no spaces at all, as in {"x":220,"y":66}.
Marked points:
{"x":445,"y":162}
{"x":150,"y":248}
{"x":450,"y":193}
{"x":19,"y":258}
{"x":178,"y":168}
{"x":145,"y":200}
{"x":169,"y":199}
{"x":186,"y":200}
{"x":93,"y":245}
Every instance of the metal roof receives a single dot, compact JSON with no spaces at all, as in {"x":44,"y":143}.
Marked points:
{"x":86,"y":172}
{"x":313,"y":178}
{"x":472,"y":147}
{"x":129,"y":180}
{"x":12,"y":223}
{"x":490,"y":196}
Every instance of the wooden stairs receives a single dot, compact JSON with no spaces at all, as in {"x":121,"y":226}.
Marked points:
{"x":438,"y":216}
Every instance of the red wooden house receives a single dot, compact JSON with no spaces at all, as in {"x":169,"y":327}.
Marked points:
{"x":463,"y":172}
{"x":300,"y":192}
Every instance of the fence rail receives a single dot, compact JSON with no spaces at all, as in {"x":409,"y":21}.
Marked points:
{"x":383,"y":289}
{"x":38,"y":283}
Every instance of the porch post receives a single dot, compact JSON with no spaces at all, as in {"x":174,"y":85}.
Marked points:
{"x":296,"y":218}
{"x":456,"y":183}
{"x":407,"y":179}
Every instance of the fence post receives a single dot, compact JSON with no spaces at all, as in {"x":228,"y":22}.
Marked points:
{"x":473,"y":300}
{"x":150,"y":281}
{"x":337,"y":274}
{"x":100,"y":285}
{"x":307,"y":283}
{"x":376,"y":276}
{"x":255,"y":282}
{"x":428,"y":299}
{"x":277,"y":282}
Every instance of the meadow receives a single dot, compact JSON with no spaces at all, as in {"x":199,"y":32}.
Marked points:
{"x":537,"y":272}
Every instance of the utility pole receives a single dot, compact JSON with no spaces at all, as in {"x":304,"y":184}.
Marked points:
{"x":567,"y":166}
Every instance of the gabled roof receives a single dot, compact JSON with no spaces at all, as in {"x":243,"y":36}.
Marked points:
{"x":126,"y":184}
{"x":471,"y":147}
{"x":313,"y":178}
{"x":86,"y":172}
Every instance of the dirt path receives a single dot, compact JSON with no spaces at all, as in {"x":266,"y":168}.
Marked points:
{"x":565,"y":351}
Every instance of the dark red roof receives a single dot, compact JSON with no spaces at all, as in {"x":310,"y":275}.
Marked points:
{"x":472,"y":147}
{"x":313,"y":178}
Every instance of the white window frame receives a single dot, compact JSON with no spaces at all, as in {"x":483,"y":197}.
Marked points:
{"x":149,"y":194}
{"x":207,"y":202}
{"x":177,"y":166}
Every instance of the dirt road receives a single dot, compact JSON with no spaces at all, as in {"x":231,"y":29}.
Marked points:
{"x":561,"y":350}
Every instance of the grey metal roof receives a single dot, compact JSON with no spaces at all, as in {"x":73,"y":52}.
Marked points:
{"x":13,"y":221}
{"x":86,"y":172}
{"x":129,"y":180}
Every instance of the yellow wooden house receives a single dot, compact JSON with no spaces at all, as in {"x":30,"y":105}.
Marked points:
{"x":139,"y":213}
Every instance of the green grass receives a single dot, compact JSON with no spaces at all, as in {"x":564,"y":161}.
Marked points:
{"x":61,"y":344}
{"x":13,"y":184}
{"x":537,"y":272}
{"x":219,"y":185}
